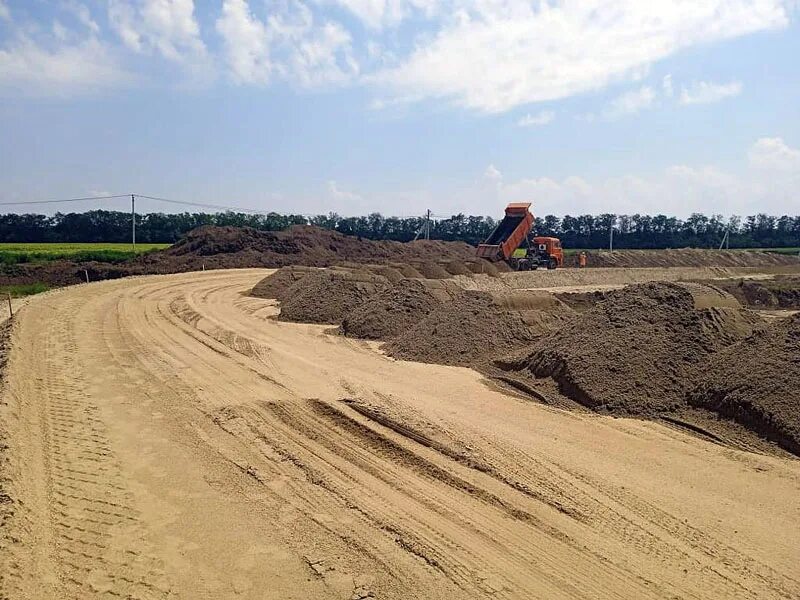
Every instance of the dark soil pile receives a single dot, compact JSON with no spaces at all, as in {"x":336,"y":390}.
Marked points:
{"x":277,"y":284}
{"x":684,"y":257}
{"x":398,"y":308}
{"x":211,"y":247}
{"x":328,"y":296}
{"x":635,"y":350}
{"x":782,"y":292}
{"x":306,"y":245}
{"x":756,"y":382}
{"x":431,"y":270}
{"x":469,"y":330}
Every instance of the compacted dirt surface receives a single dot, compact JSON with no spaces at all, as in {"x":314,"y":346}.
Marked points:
{"x":166,"y":437}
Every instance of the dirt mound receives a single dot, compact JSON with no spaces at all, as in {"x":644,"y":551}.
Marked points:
{"x":684,"y":257}
{"x":470,"y":330}
{"x":328,"y":296}
{"x":457,"y":267}
{"x":431,"y":270}
{"x":277,"y":284}
{"x":781,"y":292}
{"x":482,"y":267}
{"x":634,"y":351}
{"x":756,"y":382}
{"x":299,"y":245}
{"x":398,"y":308}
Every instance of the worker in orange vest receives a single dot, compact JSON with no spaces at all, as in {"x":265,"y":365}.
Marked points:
{"x":582,"y":260}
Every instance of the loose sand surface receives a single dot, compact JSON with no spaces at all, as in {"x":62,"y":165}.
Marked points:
{"x":165,"y":437}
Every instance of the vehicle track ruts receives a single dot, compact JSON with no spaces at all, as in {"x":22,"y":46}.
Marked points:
{"x":180,"y":443}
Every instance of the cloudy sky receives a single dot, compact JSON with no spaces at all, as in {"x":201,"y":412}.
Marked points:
{"x":354,"y":106}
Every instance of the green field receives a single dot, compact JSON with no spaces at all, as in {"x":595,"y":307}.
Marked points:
{"x":12,"y":253}
{"x":25,"y":289}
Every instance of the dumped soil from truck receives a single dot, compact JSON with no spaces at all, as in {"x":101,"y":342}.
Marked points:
{"x":756,"y":382}
{"x":635,"y":351}
{"x":276,"y":285}
{"x":398,"y":308}
{"x":471,"y":330}
{"x":328,"y":296}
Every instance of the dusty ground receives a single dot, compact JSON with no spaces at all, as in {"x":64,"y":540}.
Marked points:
{"x":167,"y":439}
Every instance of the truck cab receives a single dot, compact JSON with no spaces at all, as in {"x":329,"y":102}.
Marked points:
{"x":537,"y":252}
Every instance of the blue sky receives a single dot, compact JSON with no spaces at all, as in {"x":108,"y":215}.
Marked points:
{"x":397,"y":106}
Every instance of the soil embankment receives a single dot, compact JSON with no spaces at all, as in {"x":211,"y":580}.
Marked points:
{"x":756,"y":382}
{"x":685,"y":257}
{"x":642,"y":350}
{"x":633,"y":352}
{"x":211,"y":247}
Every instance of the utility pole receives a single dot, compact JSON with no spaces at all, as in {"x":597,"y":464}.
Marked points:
{"x":133,"y":223}
{"x":611,"y":237}
{"x":428,"y":225}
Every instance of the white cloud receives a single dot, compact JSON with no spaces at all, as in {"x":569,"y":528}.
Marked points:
{"x":774,"y":154}
{"x":62,"y":69}
{"x":342,"y":195}
{"x":290,"y":45}
{"x":705,"y":92}
{"x":492,"y":174}
{"x":245,"y":41}
{"x":82,"y":14}
{"x":5,"y":14}
{"x":377,"y":14}
{"x":771,"y":185}
{"x":498,"y":54}
{"x":541,"y":118}
{"x":630,"y":103}
{"x":666,"y":86}
{"x":168,"y":27}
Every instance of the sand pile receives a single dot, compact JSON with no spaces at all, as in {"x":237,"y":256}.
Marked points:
{"x":781,"y":292}
{"x":301,"y":244}
{"x":470,"y":330}
{"x":684,"y":257}
{"x":277,"y":284}
{"x":634,"y":351}
{"x":756,"y":382}
{"x":398,"y":308}
{"x":328,"y":296}
{"x":432,"y":270}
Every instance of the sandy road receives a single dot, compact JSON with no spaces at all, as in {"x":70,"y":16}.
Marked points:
{"x":166,"y":439}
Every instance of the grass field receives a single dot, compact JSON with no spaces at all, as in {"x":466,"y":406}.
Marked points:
{"x":12,"y":253}
{"x":18,"y":291}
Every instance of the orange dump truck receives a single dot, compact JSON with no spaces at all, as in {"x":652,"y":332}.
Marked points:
{"x":511,"y":242}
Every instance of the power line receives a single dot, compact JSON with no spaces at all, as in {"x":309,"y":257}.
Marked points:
{"x":202,"y":205}
{"x":63,"y":200}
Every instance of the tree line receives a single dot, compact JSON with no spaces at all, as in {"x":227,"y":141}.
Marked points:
{"x":584,"y":231}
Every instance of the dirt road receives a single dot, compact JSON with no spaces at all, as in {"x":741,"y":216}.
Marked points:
{"x":166,"y":439}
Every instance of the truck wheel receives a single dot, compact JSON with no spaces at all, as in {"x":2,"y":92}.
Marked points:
{"x":552,"y":264}
{"x":523,"y":265}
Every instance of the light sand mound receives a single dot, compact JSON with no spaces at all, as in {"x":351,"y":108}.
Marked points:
{"x":329,"y":296}
{"x":456,"y":267}
{"x":432,"y":270}
{"x":482,"y":267}
{"x":398,"y":308}
{"x":685,"y":257}
{"x":471,"y":330}
{"x":635,"y":350}
{"x":756,"y":382}
{"x":277,"y":284}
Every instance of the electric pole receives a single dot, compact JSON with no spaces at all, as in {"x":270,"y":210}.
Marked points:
{"x":611,"y":237}
{"x":133,"y":223}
